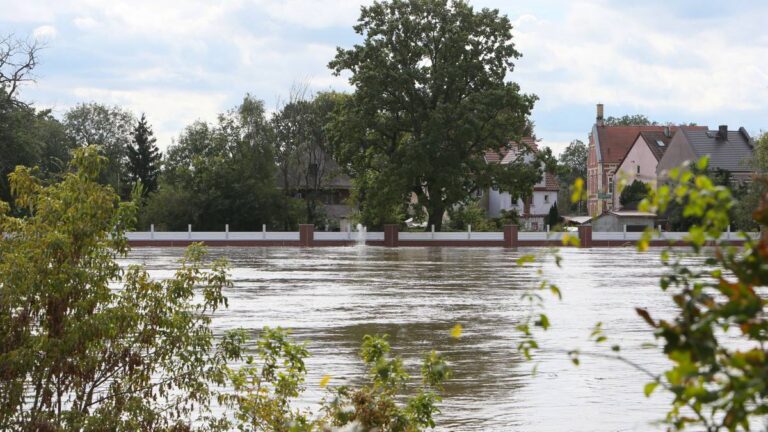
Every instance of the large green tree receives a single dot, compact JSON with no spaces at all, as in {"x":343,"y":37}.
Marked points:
{"x":111,"y":128}
{"x":431,"y":96}
{"x":144,"y":157}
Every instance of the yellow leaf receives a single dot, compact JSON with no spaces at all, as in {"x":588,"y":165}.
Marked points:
{"x":324,"y":381}
{"x":456,"y":331}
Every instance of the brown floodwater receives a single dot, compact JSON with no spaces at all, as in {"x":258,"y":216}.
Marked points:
{"x":331,"y":297}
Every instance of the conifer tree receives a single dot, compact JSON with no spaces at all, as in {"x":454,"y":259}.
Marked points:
{"x":553,"y":218}
{"x":144,"y":157}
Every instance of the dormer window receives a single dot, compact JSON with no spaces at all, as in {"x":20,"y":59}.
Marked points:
{"x":660,"y":143}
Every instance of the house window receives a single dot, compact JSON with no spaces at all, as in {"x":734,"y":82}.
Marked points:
{"x":638,"y":169}
{"x":610,"y":184}
{"x":546,"y":198}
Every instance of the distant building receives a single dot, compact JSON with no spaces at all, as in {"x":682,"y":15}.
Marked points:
{"x":642,"y":158}
{"x":728,"y":150}
{"x":325,"y":181}
{"x":533,"y":210}
{"x":607,"y":147}
{"x":616,"y":221}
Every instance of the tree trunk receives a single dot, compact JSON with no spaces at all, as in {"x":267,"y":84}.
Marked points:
{"x":435,"y":216}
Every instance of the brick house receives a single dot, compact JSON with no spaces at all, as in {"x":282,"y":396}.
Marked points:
{"x":608,"y":145}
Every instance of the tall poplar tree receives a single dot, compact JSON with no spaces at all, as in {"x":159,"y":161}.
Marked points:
{"x":144,"y":157}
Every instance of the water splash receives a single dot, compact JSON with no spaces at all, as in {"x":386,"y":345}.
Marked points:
{"x":361,"y":235}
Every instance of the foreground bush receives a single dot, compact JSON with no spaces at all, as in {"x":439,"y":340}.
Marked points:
{"x":717,"y":339}
{"x":86,"y":345}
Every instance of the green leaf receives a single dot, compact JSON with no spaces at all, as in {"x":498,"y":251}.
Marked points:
{"x":650,"y":387}
{"x":525,"y":259}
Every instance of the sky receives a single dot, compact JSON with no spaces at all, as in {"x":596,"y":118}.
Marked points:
{"x":184,"y":60}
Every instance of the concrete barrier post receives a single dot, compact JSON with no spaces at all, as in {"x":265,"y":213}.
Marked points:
{"x":189,"y":231}
{"x":510,"y":236}
{"x":226,"y":231}
{"x":306,"y":234}
{"x":469,"y":231}
{"x":391,"y":235}
{"x":264,"y":231}
{"x":152,"y":232}
{"x":433,"y":231}
{"x":585,"y":236}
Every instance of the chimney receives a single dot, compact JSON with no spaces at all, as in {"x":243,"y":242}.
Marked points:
{"x":667,"y":132}
{"x":722,"y":133}
{"x":599,"y":119}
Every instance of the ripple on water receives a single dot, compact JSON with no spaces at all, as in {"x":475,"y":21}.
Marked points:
{"x":331,"y":297}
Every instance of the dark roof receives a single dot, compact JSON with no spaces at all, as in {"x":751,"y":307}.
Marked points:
{"x":658,"y":142}
{"x":732,"y":154}
{"x":614,"y":141}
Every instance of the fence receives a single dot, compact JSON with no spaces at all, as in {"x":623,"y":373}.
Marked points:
{"x":510,"y":237}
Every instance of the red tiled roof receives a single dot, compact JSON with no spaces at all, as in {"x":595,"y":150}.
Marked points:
{"x":498,"y":156}
{"x":615,"y":141}
{"x":550,"y":183}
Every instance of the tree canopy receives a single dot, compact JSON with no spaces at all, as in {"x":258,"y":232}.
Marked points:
{"x":430,"y":97}
{"x":221,"y":173}
{"x":632,"y":195}
{"x":571,"y":164}
{"x":111,"y":128}
{"x":302,"y":151}
{"x":630,"y":120}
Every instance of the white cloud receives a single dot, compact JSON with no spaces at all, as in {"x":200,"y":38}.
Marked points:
{"x":167,"y":110}
{"x":85,"y":23}
{"x":44,"y":32}
{"x":603,"y":54}
{"x":184,"y":59}
{"x":313,"y":13}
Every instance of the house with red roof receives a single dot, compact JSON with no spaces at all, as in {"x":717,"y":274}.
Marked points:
{"x":643,"y":157}
{"x":533,"y":210}
{"x":608,"y":146}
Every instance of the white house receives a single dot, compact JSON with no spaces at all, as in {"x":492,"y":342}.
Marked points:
{"x":533,"y":211}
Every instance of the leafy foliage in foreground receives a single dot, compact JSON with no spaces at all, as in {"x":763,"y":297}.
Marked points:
{"x":78,"y":355}
{"x":86,"y":345}
{"x":716,"y":340}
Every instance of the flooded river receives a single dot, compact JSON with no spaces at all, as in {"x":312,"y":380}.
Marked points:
{"x":331,"y":297}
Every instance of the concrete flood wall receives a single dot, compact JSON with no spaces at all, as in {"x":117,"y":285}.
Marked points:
{"x":510,"y":237}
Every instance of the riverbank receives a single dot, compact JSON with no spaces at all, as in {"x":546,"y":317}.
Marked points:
{"x":510,"y":237}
